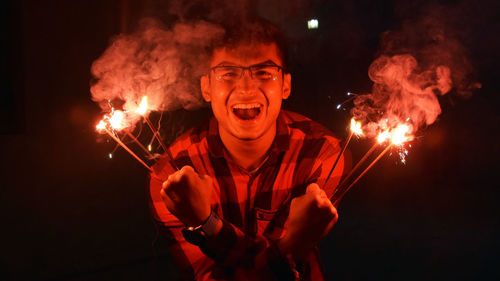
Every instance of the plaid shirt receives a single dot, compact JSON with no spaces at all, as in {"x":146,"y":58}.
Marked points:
{"x":253,"y":206}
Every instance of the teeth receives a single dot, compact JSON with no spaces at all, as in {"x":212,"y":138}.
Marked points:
{"x":246,"y":105}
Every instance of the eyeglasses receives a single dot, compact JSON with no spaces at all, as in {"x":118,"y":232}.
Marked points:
{"x":260,"y":72}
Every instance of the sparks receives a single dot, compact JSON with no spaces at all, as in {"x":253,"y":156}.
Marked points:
{"x":403,"y":152}
{"x":383,"y":136}
{"x":312,"y":24}
{"x":400,"y":134}
{"x":143,"y":106}
{"x":397,"y":136}
{"x":116,"y":120}
{"x":356,"y":127}
{"x":101,"y":125}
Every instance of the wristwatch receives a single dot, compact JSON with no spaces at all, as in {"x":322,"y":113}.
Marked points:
{"x":197,"y":235}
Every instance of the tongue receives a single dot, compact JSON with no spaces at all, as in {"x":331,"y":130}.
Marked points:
{"x":247,"y":113}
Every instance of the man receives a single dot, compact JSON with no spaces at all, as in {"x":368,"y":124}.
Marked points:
{"x":251,"y":199}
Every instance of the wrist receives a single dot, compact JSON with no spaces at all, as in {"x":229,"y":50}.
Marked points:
{"x":285,"y":245}
{"x":289,"y":246}
{"x":199,"y":234}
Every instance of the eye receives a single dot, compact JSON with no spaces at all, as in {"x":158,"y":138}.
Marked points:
{"x":228,"y":73}
{"x":263,"y":75}
{"x":264,"y":72}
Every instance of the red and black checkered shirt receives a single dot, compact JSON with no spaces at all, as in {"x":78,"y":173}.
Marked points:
{"x":253,"y":206}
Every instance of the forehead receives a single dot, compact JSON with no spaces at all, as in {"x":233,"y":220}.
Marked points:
{"x":247,"y":54}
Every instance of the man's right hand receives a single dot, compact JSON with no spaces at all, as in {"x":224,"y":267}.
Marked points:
{"x":187,"y":195}
{"x":311,"y":217}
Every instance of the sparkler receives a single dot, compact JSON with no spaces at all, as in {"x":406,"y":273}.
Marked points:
{"x":142,"y":110}
{"x":354,"y":129}
{"x":148,"y":153}
{"x":397,"y":136}
{"x":116,"y":121}
{"x":102,"y":126}
{"x":356,"y":167}
{"x":338,"y":195}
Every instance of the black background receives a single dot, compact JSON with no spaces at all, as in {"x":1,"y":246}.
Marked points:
{"x":70,"y":213}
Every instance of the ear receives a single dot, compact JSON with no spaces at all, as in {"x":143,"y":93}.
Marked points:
{"x":205,"y":88}
{"x":287,"y":85}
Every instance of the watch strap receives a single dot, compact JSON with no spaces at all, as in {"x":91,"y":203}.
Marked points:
{"x":210,"y":224}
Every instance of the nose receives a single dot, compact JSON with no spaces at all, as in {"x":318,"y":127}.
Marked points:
{"x":246,"y":82}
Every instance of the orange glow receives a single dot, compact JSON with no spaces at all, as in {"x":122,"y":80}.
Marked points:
{"x":143,"y":106}
{"x":117,"y":120}
{"x":383,"y":136}
{"x":397,"y":136}
{"x":101,"y":125}
{"x":400,"y":134}
{"x":356,"y":127}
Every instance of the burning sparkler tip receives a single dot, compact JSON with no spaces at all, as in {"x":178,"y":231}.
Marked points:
{"x":339,"y":106}
{"x":356,"y":127}
{"x":101,"y":125}
{"x":143,"y":106}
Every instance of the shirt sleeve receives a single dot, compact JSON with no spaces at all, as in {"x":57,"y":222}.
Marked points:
{"x":232,"y":254}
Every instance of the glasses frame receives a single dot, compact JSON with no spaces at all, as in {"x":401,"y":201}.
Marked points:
{"x":249,"y":68}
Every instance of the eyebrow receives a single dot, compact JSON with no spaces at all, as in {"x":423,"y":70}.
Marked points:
{"x":228,"y":63}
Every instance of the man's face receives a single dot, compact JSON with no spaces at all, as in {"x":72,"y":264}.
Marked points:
{"x":246,"y":108}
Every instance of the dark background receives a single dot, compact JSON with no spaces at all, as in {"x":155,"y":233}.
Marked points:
{"x":70,"y":213}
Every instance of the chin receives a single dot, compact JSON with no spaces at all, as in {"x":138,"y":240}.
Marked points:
{"x":248,"y":136}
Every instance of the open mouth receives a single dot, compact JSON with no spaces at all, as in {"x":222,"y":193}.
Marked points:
{"x":247,"y":111}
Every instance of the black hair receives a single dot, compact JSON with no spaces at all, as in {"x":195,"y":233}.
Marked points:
{"x":252,"y":31}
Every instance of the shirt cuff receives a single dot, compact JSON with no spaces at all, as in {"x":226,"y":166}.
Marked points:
{"x":219,"y":246}
{"x":283,"y":266}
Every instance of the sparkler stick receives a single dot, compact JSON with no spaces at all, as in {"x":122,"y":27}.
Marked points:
{"x":340,"y":154}
{"x":367,"y":154}
{"x":354,"y":129}
{"x":155,"y":132}
{"x":343,"y":192}
{"x":142,"y":110}
{"x":139,"y":144}
{"x":127,"y":149}
{"x":158,"y":137}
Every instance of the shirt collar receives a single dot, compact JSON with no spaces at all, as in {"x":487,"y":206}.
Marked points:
{"x":281,"y":141}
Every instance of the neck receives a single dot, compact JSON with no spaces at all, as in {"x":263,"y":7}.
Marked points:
{"x":248,"y":154}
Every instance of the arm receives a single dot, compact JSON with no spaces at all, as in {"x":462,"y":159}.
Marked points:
{"x":229,"y":248}
{"x":312,"y":215}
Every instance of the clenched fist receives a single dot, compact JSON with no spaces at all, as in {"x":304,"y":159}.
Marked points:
{"x":187,"y":196}
{"x":311,"y":217}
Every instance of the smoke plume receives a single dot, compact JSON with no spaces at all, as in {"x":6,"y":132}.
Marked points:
{"x":163,"y":64}
{"x":419,"y":63}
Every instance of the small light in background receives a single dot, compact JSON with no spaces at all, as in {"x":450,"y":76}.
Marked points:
{"x":312,"y":24}
{"x":110,"y":156}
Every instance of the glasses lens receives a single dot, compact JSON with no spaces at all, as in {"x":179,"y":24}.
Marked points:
{"x":234,"y":73}
{"x":264,"y":72}
{"x":227,"y":73}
